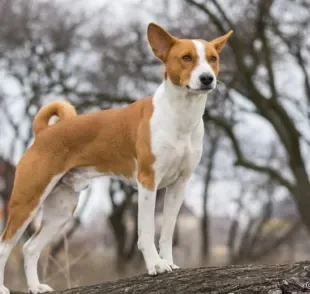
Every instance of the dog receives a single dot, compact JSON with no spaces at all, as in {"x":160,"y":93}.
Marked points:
{"x":155,"y":142}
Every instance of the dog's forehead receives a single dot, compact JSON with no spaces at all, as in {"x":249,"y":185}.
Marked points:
{"x":209,"y":47}
{"x":185,"y":46}
{"x":195,"y":47}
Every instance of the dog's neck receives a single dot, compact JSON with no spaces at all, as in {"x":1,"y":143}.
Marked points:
{"x":179,"y":106}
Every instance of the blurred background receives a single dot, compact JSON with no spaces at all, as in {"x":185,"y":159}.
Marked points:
{"x":248,"y":201}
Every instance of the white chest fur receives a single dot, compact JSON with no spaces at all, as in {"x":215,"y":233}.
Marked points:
{"x":176,"y":132}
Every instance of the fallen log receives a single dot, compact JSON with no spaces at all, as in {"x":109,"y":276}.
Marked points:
{"x":269,"y":279}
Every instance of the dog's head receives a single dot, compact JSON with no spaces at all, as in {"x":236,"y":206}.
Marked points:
{"x":191,"y":64}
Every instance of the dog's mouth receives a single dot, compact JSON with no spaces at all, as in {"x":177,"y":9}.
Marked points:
{"x":202,"y":89}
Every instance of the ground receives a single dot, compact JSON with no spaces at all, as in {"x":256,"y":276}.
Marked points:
{"x":245,"y":279}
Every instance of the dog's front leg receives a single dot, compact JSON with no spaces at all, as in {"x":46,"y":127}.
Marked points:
{"x":173,"y":201}
{"x":146,"y":231}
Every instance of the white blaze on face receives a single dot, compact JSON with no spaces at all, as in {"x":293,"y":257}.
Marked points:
{"x":202,"y":68}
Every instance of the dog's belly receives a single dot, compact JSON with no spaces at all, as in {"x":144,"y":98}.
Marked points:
{"x":171,"y":161}
{"x":80,"y":178}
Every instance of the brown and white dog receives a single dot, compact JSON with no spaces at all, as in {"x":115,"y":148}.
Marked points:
{"x":155,"y":142}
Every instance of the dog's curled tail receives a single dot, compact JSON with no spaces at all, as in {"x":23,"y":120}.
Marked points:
{"x":62,"y":109}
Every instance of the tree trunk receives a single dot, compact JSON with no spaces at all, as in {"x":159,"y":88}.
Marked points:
{"x":247,"y":279}
{"x":301,"y":194}
{"x":205,"y":246}
{"x":120,"y":234}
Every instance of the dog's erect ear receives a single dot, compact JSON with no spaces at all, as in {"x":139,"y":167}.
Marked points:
{"x":160,"y":40}
{"x":219,"y":43}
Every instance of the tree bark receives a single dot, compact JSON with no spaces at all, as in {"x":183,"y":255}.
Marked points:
{"x":247,"y":279}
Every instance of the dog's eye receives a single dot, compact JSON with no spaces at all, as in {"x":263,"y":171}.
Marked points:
{"x":213,"y":59}
{"x":187,"y":57}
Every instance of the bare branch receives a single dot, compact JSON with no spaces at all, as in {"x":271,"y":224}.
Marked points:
{"x":263,"y":16}
{"x":240,"y":158}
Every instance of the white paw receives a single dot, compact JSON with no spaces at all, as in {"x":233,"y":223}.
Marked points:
{"x":173,"y":266}
{"x":41,"y":288}
{"x":169,"y":259}
{"x":159,"y":267}
{"x":4,"y":290}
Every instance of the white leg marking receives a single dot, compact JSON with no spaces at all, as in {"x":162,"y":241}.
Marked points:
{"x":173,"y":201}
{"x":6,"y":248}
{"x":146,"y":231}
{"x":57,"y":211}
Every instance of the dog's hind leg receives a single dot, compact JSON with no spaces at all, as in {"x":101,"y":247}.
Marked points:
{"x":58,"y":209}
{"x":6,"y":245}
{"x":25,"y":201}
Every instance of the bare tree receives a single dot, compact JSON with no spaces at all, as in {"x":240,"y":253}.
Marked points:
{"x":251,"y":235}
{"x":42,"y":48}
{"x":256,"y":52}
{"x":117,"y":221}
{"x":46,"y":51}
{"x":7,"y":171}
{"x":213,"y":138}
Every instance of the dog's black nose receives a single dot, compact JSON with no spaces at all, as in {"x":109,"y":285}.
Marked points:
{"x":206,"y":79}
